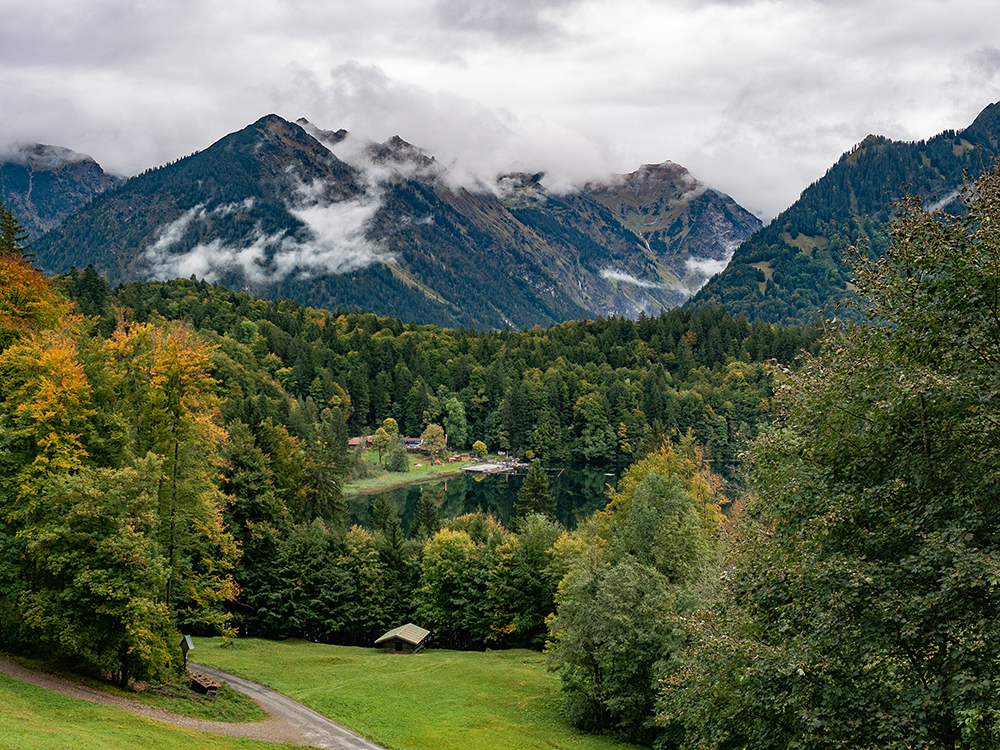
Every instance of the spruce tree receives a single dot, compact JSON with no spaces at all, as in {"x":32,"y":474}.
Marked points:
{"x":535,"y":495}
{"x":13,"y":236}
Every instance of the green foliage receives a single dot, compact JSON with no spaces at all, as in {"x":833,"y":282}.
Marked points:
{"x":281,"y":378}
{"x":327,"y":451}
{"x":862,"y":605}
{"x":95,"y":576}
{"x":521,"y":584}
{"x":535,"y":497}
{"x":13,"y":236}
{"x":518,"y":391}
{"x":118,"y":550}
{"x":631,"y":574}
{"x":399,"y":460}
{"x":480,"y":449}
{"x":455,"y":424}
{"x":449,"y":595}
{"x":613,"y":636}
{"x":433,"y":439}
{"x":167,"y":397}
{"x":304,"y":592}
{"x":381,"y":442}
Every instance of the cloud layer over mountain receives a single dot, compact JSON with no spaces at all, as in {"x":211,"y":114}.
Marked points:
{"x":756,"y":97}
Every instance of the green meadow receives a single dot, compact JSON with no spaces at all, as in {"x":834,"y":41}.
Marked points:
{"x":434,"y":700}
{"x":32,"y":718}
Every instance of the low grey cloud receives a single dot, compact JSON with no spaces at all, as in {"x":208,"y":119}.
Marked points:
{"x":507,"y":20}
{"x":39,"y":156}
{"x":704,"y":268}
{"x":756,"y":97}
{"x":616,"y":275}
{"x":475,"y":143}
{"x":334,"y":241}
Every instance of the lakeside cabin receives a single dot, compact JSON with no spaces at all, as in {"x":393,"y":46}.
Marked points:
{"x":407,"y":639}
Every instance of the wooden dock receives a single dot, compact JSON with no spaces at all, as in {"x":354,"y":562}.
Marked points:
{"x":501,"y":468}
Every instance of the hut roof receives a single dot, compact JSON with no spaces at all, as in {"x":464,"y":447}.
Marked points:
{"x":410,"y":633}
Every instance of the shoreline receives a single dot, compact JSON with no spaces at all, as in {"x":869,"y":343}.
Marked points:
{"x":395,"y":485}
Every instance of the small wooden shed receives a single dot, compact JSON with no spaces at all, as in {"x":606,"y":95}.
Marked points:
{"x":407,"y":639}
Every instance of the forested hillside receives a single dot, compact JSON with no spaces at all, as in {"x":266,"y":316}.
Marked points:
{"x":173,"y":454}
{"x":795,"y":270}
{"x":42,"y":185}
{"x":584,"y":390}
{"x":860,"y":605}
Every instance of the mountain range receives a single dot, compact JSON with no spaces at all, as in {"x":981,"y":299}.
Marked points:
{"x":283,"y":209}
{"x":286,"y":209}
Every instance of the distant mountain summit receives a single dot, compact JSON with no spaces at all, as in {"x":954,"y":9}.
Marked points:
{"x":43,"y":184}
{"x":287,"y":209}
{"x":694,"y":229}
{"x":794,"y":271}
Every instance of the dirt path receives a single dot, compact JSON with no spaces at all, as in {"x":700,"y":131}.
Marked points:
{"x":290,"y":722}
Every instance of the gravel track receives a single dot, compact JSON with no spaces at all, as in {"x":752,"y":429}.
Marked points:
{"x":290,"y":722}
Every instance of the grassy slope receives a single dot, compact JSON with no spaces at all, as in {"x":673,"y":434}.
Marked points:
{"x":387,"y":480}
{"x":176,"y":696}
{"x":436,"y":700}
{"x":32,"y":718}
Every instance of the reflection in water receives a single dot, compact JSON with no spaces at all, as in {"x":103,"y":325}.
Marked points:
{"x":578,"y":490}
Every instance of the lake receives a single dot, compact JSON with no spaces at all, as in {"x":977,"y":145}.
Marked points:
{"x":578,"y":491}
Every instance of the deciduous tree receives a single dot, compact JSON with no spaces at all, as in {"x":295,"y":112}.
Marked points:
{"x":381,"y":441}
{"x":95,"y":573}
{"x":433,"y":438}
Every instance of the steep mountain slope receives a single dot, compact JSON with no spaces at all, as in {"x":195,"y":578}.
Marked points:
{"x":289,"y":210}
{"x":691,"y":227}
{"x":43,"y":185}
{"x":793,"y":270}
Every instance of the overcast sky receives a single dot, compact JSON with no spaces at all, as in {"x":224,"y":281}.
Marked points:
{"x":757,"y":98}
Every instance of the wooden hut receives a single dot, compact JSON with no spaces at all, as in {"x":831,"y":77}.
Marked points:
{"x":407,"y":639}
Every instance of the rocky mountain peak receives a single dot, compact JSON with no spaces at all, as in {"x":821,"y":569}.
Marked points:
{"x":326,"y":137}
{"x":40,"y":156}
{"x":43,"y":184}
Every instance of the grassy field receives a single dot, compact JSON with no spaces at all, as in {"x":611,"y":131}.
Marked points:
{"x":388,"y":480}
{"x":32,"y":718}
{"x":436,"y":700}
{"x":176,"y":696}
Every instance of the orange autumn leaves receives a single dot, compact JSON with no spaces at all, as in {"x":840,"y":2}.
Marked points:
{"x":27,"y":300}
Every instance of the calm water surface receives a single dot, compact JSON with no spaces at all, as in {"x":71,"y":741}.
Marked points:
{"x":578,"y":490}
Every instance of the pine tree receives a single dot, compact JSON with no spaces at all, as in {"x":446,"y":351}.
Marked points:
{"x":13,"y":236}
{"x":535,"y":495}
